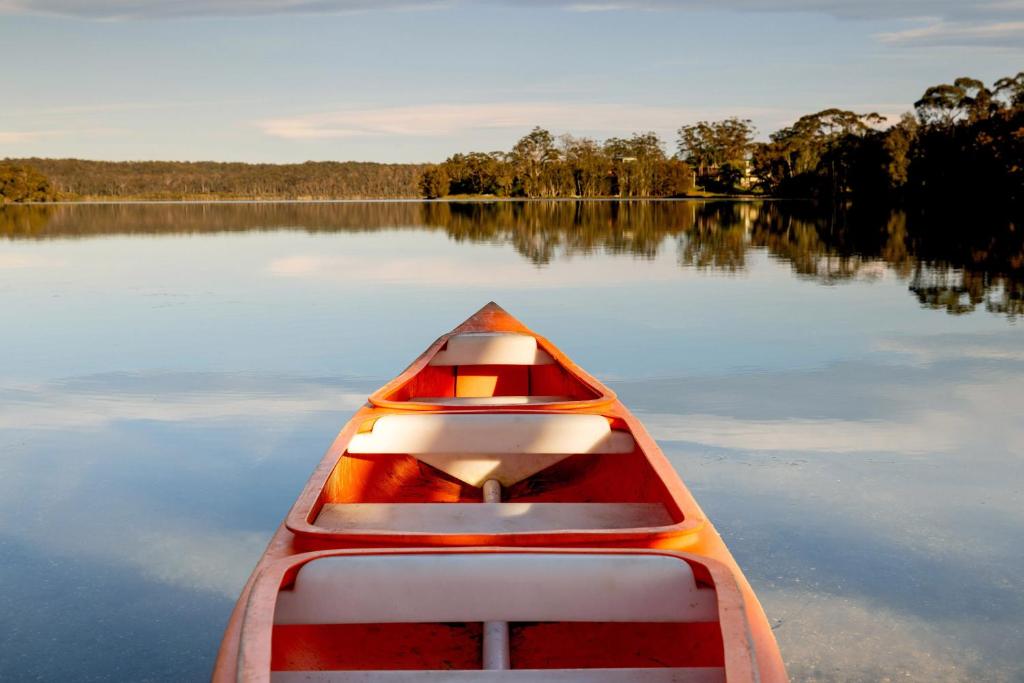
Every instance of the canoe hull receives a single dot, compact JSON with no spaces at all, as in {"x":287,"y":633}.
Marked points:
{"x":642,"y":476}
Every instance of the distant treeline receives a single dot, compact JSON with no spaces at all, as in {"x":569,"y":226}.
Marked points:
{"x":964,"y":139}
{"x":541,"y":166}
{"x":77,"y":179}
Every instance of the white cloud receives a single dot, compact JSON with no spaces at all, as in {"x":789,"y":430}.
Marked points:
{"x":122,"y":9}
{"x":431,"y":271}
{"x":45,"y":406}
{"x":935,"y":10}
{"x":12,"y":137}
{"x":138,"y":9}
{"x":927,"y":350}
{"x":999,"y":23}
{"x":929,"y":432}
{"x":448,"y":119}
{"x":993,"y":34}
{"x":919,"y":424}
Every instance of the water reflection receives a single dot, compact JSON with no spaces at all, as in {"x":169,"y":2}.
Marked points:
{"x":948,"y":265}
{"x":879,"y":516}
{"x":174,"y":372}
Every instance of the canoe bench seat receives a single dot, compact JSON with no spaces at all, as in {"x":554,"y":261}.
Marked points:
{"x":566,"y":592}
{"x":516,"y":400}
{"x":491,"y":518}
{"x":491,"y":348}
{"x":512,"y":587}
{"x":507,"y":369}
{"x":480,"y":446}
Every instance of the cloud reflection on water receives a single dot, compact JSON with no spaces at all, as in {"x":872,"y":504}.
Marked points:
{"x":118,"y":492}
{"x":79,"y":403}
{"x":882,"y":543}
{"x":833,"y":532}
{"x":861,"y":456}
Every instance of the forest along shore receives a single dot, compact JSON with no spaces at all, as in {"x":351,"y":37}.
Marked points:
{"x":964,"y":138}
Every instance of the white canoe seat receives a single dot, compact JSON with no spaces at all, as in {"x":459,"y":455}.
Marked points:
{"x":476,"y":447}
{"x":492,"y":348}
{"x":492,"y":433}
{"x":477,"y":587}
{"x":651,"y":675}
{"x":488,"y":400}
{"x":491,"y":518}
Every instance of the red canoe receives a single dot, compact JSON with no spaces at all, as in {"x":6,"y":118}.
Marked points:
{"x":495,"y":513}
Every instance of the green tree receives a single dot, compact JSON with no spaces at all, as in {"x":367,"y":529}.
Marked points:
{"x":634,"y":163}
{"x":434,"y":182}
{"x":589,"y":166}
{"x":672,"y":178}
{"x":1011,"y":89}
{"x":947,"y":104}
{"x":530,"y":154}
{"x":708,"y":145}
{"x":815,"y":154}
{"x":24,"y":184}
{"x":899,"y":145}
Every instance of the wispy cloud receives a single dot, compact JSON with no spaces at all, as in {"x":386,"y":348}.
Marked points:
{"x":108,"y":107}
{"x":939,"y":22}
{"x":999,"y":34}
{"x":436,"y":271}
{"x":930,"y":432}
{"x":446,"y":119}
{"x":867,"y":9}
{"x":13,"y":137}
{"x":141,"y":9}
{"x":927,"y":350}
{"x":913,"y":429}
{"x":50,"y":406}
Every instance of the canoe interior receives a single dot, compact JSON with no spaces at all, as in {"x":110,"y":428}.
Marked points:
{"x":435,"y":383}
{"x":581,"y":478}
{"x":589,"y":478}
{"x":532,"y":645}
{"x":563,"y":612}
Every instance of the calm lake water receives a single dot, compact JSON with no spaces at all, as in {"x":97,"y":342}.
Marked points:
{"x":844,"y":396}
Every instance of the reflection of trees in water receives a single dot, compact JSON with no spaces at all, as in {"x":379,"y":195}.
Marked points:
{"x":87,"y":220}
{"x":544,"y":230}
{"x":958,"y":290}
{"x":947,"y":267}
{"x":717,"y":239}
{"x":950,"y":264}
{"x":25,"y":221}
{"x":825,"y":247}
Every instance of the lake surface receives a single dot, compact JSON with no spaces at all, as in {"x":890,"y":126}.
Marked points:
{"x":843,"y":395}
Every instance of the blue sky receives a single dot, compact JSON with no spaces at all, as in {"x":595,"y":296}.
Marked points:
{"x":256,"y":80}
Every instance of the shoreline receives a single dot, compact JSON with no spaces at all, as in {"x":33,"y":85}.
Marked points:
{"x":409,"y":200}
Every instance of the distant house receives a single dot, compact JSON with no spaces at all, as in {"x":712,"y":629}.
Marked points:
{"x":747,"y":179}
